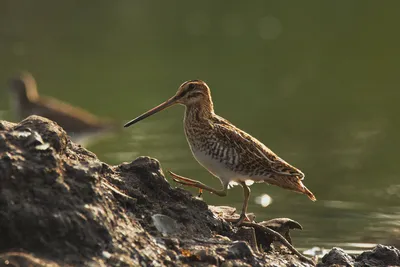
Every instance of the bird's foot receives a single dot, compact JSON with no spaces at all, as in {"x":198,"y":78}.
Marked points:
{"x":200,"y":193}
{"x":185,"y":181}
{"x":243,"y":218}
{"x":182,"y":180}
{"x":197,"y":184}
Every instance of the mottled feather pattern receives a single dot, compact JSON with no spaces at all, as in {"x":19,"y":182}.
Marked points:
{"x":240,"y":152}
{"x":237,"y":149}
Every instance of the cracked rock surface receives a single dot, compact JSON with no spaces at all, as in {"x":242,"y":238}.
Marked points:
{"x":61,"y":206}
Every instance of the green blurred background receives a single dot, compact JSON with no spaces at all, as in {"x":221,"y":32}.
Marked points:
{"x":316,"y":81}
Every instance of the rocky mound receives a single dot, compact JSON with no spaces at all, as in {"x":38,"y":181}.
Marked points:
{"x":60,"y":206}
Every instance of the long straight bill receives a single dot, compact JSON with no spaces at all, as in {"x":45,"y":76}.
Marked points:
{"x":152,"y":111}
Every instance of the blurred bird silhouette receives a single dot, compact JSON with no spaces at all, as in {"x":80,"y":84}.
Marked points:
{"x":26,"y":101}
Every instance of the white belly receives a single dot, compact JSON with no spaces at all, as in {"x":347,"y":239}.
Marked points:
{"x":217,"y":168}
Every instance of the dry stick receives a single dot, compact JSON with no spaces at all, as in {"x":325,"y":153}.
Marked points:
{"x":281,"y":239}
{"x":115,"y":190}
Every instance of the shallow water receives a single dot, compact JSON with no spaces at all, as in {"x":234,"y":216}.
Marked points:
{"x":317,"y":82}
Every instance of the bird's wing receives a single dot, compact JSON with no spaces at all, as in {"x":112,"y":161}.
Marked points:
{"x":258,"y":159}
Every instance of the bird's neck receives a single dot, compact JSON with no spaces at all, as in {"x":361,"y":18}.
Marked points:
{"x":199,"y":111}
{"x":25,"y":94}
{"x":19,"y":100}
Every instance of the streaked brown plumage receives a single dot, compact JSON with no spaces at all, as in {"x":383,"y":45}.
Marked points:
{"x":226,"y":151}
{"x":26,"y":101}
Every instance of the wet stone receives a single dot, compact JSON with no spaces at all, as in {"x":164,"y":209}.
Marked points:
{"x":337,"y":256}
{"x":165,"y":224}
{"x":380,"y":256}
{"x":240,"y":250}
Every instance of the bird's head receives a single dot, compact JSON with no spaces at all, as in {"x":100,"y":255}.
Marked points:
{"x":23,"y":86}
{"x":189,"y":93}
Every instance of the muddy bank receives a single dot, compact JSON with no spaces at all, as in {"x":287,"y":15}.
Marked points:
{"x":60,"y":205}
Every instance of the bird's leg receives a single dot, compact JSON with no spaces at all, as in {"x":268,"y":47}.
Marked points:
{"x":243,"y":216}
{"x":193,"y":183}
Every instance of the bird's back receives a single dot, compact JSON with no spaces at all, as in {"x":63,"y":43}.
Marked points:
{"x":71,"y":119}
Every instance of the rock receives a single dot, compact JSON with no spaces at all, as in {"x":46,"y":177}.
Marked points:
{"x":379,"y":256}
{"x":59,"y":201}
{"x":164,"y":224}
{"x":60,"y":205}
{"x":337,"y":256}
{"x":247,"y":234}
{"x":240,"y":250}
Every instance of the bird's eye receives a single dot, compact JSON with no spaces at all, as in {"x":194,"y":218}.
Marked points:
{"x":191,"y":86}
{"x":194,"y":94}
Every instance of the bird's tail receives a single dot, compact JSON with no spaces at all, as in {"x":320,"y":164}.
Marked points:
{"x":292,"y":183}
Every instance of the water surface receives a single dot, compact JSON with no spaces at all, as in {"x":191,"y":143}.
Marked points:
{"x":317,"y":82}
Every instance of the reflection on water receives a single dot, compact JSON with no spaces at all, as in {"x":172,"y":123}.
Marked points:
{"x":315,"y":81}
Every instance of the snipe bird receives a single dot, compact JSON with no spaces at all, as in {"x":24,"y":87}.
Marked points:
{"x":224,"y":150}
{"x":25,"y":101}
